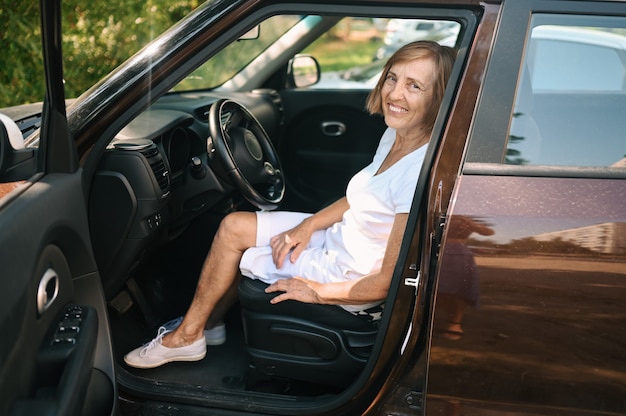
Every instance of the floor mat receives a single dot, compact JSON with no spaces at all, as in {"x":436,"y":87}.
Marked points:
{"x":225,"y":366}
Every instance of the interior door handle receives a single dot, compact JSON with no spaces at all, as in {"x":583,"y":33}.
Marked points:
{"x":47,"y":291}
{"x":333,"y":128}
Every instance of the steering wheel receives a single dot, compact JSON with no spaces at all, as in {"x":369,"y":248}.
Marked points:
{"x":247,"y":154}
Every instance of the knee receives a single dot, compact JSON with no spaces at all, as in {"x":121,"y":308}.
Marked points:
{"x":238,"y":228}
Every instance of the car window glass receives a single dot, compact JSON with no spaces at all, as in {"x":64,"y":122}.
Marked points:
{"x":569,"y":108}
{"x":237,"y":55}
{"x":96,"y":38}
{"x":352,"y":54}
{"x":21,"y":81}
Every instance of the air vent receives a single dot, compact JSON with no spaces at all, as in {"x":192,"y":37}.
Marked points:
{"x":157,"y":164}
{"x":154,"y":158}
{"x":202,"y":113}
{"x":225,"y":118}
{"x":29,"y":125}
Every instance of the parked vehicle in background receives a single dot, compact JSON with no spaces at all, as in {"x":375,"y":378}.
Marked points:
{"x":402,"y":31}
{"x":363,"y":77}
{"x":508,"y":295}
{"x":561,"y":61}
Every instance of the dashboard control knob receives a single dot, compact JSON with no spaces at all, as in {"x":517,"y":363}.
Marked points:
{"x":198,"y":170}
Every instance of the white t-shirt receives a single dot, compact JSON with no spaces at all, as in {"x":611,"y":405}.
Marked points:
{"x":358,"y":242}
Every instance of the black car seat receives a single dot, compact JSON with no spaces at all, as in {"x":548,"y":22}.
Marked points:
{"x":317,"y":343}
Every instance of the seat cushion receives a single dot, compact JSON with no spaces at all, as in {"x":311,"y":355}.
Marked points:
{"x":252,"y":297}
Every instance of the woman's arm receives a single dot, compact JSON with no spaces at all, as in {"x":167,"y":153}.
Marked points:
{"x":328,"y":216}
{"x":369,"y":288}
{"x":298,"y":237}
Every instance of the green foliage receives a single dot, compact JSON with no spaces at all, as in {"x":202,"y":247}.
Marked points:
{"x":345,"y":47}
{"x":21,"y":67}
{"x":97,"y":37}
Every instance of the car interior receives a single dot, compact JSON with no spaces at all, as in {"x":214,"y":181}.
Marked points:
{"x":150,"y":200}
{"x":155,"y":198}
{"x":160,"y":190}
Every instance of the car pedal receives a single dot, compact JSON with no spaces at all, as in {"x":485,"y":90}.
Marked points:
{"x":122,"y":302}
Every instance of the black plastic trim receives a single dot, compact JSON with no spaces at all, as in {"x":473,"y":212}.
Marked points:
{"x":497,"y":169}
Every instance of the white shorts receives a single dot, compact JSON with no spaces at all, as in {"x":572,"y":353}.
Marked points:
{"x":314,"y":263}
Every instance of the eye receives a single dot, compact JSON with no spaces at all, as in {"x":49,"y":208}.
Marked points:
{"x":390,"y":78}
{"x":414,"y":86}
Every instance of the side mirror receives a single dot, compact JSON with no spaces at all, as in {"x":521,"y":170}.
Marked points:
{"x":16,"y":162}
{"x":304,"y":71}
{"x":253,"y":33}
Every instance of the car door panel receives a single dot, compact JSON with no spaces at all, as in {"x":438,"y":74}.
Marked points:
{"x":328,"y":137}
{"x":49,"y":341}
{"x":51,"y":333}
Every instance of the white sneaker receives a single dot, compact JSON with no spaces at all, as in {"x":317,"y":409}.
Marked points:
{"x":154,"y":354}
{"x":215,"y":335}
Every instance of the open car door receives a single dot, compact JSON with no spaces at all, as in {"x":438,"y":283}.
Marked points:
{"x":55,"y":351}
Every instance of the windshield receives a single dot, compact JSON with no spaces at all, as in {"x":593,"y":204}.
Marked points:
{"x":232,"y":59}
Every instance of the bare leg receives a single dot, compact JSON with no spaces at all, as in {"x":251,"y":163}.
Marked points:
{"x":454,"y":306}
{"x":224,"y":304}
{"x":216,"y":288}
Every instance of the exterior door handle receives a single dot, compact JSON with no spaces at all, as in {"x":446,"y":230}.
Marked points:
{"x":333,"y":128}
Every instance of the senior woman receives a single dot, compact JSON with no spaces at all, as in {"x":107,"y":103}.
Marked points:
{"x":344,"y":254}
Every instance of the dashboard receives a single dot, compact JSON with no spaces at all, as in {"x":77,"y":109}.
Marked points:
{"x":160,"y":173}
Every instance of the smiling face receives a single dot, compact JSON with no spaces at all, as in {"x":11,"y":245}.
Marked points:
{"x":407,"y":94}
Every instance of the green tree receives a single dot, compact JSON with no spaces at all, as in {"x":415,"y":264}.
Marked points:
{"x":97,"y":37}
{"x":21,"y":65}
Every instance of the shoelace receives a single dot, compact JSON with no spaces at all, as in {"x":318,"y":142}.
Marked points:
{"x":156,"y":341}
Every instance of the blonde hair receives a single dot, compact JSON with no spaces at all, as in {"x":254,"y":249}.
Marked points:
{"x":443,"y":56}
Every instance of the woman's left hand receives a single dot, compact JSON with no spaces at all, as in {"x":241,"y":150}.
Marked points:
{"x":296,"y":288}
{"x":290,"y":243}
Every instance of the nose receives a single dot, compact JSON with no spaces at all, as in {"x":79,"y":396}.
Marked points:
{"x":397,"y":92}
